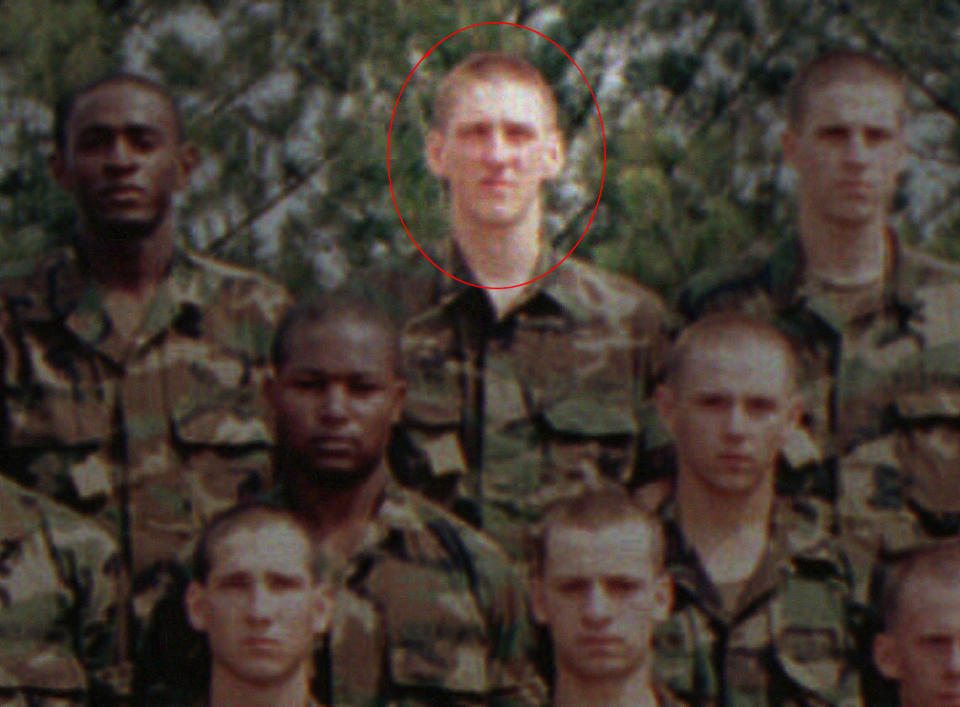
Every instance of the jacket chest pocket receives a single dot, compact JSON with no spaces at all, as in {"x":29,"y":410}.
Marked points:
{"x":811,"y":638}
{"x":435,"y":634}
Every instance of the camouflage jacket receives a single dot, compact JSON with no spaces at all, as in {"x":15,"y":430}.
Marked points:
{"x":512,"y":414}
{"x":429,"y":612}
{"x":150,"y":435}
{"x":58,"y":604}
{"x":789,"y":642}
{"x":889,"y":367}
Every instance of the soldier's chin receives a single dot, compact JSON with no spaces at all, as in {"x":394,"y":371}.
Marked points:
{"x":126,"y":229}
{"x":341,"y":477}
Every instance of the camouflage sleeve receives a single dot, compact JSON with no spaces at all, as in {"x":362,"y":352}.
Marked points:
{"x":504,"y":598}
{"x":90,"y":564}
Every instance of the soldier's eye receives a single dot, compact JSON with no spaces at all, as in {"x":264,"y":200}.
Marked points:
{"x":572,"y":586}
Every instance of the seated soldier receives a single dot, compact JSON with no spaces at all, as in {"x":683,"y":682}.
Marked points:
{"x":600,"y":587}
{"x":428,"y":610}
{"x":919,"y":647}
{"x":58,"y":605}
{"x":761,"y":592}
{"x":257,"y":595}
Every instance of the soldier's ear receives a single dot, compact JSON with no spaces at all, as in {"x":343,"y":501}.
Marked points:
{"x":538,"y":599}
{"x":886,"y":656}
{"x":666,"y":399}
{"x":198,"y":609}
{"x":553,"y":156}
{"x":187,"y":159}
{"x":662,"y":596}
{"x":58,"y":169}
{"x":400,"y":397}
{"x":788,"y":143}
{"x":434,"y":153}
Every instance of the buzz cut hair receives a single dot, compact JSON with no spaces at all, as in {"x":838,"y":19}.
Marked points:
{"x":937,"y":562}
{"x":838,"y":64}
{"x":251,"y":515}
{"x":489,"y":66}
{"x":594,"y":510}
{"x":727,"y":326}
{"x":63,"y":110}
{"x":340,"y":306}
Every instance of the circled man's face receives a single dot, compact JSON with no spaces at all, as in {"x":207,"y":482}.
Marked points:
{"x":497,"y":149}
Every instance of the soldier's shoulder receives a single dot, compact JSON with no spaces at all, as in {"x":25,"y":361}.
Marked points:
{"x":30,"y":275}
{"x":231,"y":275}
{"x":709,"y":289}
{"x":925,"y":268}
{"x":402,"y":286}
{"x":65,"y":528}
{"x":809,"y":527}
{"x":458,"y":535}
{"x":612,"y":293}
{"x":236,"y":290}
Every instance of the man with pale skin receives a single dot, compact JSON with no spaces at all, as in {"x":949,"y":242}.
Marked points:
{"x":521,"y":390}
{"x":746,"y":563}
{"x":258,"y":597}
{"x":919,"y":647}
{"x":600,"y":587}
{"x":873,"y":320}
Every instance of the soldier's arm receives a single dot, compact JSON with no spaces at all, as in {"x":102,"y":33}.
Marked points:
{"x":505,"y":602}
{"x":90,"y":565}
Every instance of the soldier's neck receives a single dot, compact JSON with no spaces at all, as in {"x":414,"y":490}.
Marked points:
{"x":339,"y":515}
{"x":499,"y":256}
{"x":135,"y":266}
{"x":634,"y":691}
{"x":729,"y":531}
{"x":226,"y":690}
{"x":843,"y":254}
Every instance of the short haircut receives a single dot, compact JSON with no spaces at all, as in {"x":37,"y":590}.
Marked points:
{"x":733,"y":326}
{"x":63,"y":110}
{"x":247,"y":516}
{"x":488,"y":66}
{"x":938,"y":562}
{"x":831,"y":66}
{"x":597,"y":509}
{"x":340,"y":307}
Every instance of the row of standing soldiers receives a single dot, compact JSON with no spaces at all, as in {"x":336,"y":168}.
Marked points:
{"x":136,"y":377}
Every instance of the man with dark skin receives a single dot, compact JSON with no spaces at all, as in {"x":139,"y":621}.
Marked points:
{"x":420,"y":592}
{"x":131,"y":366}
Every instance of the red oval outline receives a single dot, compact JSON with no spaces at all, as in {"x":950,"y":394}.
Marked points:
{"x":603,"y":139}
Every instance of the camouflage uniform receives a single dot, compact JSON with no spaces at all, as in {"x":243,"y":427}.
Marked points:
{"x":513,"y":414}
{"x":58,"y":604}
{"x":429,"y":612}
{"x":887,"y":364}
{"x":787,"y":643}
{"x":150,"y":435}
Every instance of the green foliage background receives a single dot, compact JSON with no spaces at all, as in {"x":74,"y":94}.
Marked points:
{"x":290,"y":102}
